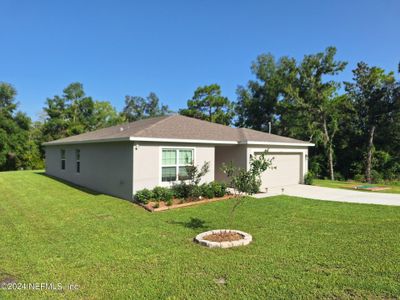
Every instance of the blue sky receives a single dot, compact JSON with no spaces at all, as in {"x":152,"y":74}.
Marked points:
{"x":119,"y":47}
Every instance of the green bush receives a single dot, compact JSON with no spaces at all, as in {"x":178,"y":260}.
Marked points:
{"x":162,"y":193}
{"x":186,"y":191}
{"x":219,"y":188}
{"x":376,"y":177}
{"x":195,"y":191}
{"x":309,"y":178}
{"x":207,"y":191}
{"x":144,"y":196}
{"x":338,"y":176}
{"x":211,"y":190}
{"x":181,"y":190}
{"x":158,"y":193}
{"x":359,"y":177}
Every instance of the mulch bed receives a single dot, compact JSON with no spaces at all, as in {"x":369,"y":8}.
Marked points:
{"x":224,"y":237}
{"x":177,"y":203}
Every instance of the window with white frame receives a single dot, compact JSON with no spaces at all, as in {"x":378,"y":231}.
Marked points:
{"x":174,"y":162}
{"x":62,"y":152}
{"x":78,"y":160}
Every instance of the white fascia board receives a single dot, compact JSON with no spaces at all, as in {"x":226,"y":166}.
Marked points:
{"x":187,"y":141}
{"x":55,"y":143}
{"x":278,"y":144}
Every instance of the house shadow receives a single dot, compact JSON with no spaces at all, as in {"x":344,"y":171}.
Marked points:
{"x":192,"y":223}
{"x":70,"y":184}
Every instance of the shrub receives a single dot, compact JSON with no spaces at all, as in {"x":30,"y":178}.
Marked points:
{"x":186,"y":191}
{"x":181,"y":190}
{"x":219,"y":188}
{"x":168,"y":202}
{"x":162,"y":193}
{"x":144,"y":196}
{"x":158,"y":193}
{"x":309,"y":178}
{"x":376,"y":177}
{"x":195,"y":191}
{"x":338,"y":176}
{"x":207,"y":191}
{"x":359,"y":177}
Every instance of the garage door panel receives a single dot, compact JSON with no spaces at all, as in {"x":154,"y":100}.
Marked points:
{"x":287,"y":170}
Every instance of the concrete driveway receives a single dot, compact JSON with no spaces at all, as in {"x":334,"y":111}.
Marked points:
{"x":331,"y":194}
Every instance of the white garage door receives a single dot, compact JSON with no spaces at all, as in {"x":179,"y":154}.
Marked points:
{"x":287,"y":171}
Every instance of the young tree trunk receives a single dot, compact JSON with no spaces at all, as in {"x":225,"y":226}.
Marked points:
{"x":329,"y":147}
{"x":369,"y":155}
{"x":330,"y":160}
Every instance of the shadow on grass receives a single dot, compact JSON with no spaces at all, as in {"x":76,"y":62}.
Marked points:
{"x":70,"y":184}
{"x":193,"y":223}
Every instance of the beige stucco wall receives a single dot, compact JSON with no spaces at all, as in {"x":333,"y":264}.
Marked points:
{"x":237,"y":154}
{"x":122,"y":168}
{"x":105,"y":167}
{"x":147,"y":161}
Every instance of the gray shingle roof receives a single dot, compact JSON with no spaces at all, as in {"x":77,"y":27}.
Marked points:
{"x":176,"y":127}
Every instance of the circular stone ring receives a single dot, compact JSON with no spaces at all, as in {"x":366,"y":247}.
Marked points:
{"x":247,"y":238}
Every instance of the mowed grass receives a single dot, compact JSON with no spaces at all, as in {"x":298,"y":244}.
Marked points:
{"x":113,"y":249}
{"x":392,"y":188}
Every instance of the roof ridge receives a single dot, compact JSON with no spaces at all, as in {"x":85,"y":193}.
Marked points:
{"x":162,"y":119}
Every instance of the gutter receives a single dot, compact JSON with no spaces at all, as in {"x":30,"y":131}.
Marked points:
{"x":186,"y":141}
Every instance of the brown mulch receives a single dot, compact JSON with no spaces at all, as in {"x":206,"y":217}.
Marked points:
{"x":223,"y":237}
{"x":177,"y":203}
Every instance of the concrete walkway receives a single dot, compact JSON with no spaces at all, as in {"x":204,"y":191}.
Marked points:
{"x":332,"y":194}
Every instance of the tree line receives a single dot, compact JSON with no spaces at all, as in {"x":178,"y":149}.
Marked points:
{"x":355,"y":125}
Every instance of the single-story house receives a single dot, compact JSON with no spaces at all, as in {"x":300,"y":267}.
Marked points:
{"x":124,"y":159}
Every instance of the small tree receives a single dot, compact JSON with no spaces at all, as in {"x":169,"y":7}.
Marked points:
{"x":244,"y":181}
{"x":189,"y":184}
{"x":194,"y":173}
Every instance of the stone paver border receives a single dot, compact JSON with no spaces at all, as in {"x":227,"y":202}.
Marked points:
{"x":247,"y":238}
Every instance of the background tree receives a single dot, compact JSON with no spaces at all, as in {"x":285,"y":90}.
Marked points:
{"x":297,"y":98}
{"x":208,"y":104}
{"x":312,"y":94}
{"x":257,"y":102}
{"x":374,"y":96}
{"x":105,"y":115}
{"x":17,"y":149}
{"x":137,"y":108}
{"x":56,"y":122}
{"x":75,"y":113}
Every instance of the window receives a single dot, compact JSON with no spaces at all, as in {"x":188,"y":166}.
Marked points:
{"x":174,"y":162}
{"x":78,"y":160}
{"x":62,"y":159}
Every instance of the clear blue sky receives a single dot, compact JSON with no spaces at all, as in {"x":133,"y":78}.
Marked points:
{"x":118,"y":47}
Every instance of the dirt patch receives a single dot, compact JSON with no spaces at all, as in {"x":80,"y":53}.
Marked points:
{"x":6,"y":278}
{"x":224,"y":237}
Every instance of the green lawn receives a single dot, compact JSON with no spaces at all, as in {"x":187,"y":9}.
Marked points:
{"x":395,"y":189}
{"x":113,"y":249}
